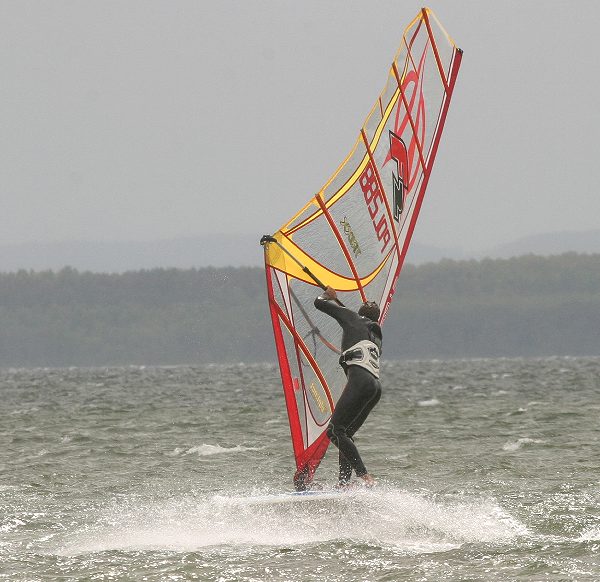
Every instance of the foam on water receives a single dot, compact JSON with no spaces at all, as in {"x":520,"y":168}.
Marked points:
{"x":519,"y":443}
{"x":206,"y":450}
{"x":430,"y":402}
{"x":11,"y":524}
{"x":590,"y":535}
{"x":406,"y":521}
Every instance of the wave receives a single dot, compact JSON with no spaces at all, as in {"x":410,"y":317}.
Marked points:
{"x":590,"y":535}
{"x":205,"y":450}
{"x":12,"y":524}
{"x":404,"y":521}
{"x":430,"y":402}
{"x":520,"y":443}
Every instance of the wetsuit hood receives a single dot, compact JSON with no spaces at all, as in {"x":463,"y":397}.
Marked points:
{"x":370,"y":309}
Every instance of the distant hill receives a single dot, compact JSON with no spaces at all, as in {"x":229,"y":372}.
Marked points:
{"x":239,"y":250}
{"x":555,"y":243}
{"x":121,"y":256}
{"x":243,"y":250}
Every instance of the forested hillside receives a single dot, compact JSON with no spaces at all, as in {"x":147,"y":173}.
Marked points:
{"x":527,"y":306}
{"x":530,"y":306}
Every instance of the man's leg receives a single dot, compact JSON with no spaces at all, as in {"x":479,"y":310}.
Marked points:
{"x":345,"y":466}
{"x":345,"y":470}
{"x":362,"y":415}
{"x":351,"y":410}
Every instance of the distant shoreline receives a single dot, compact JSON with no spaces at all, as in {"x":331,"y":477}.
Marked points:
{"x":243,"y":250}
{"x":526,"y":307}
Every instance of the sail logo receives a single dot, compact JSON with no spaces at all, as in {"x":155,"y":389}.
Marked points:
{"x":351,"y":237}
{"x":399,"y":154}
{"x":318,"y":398}
{"x":407,"y":158}
{"x":376,"y":206}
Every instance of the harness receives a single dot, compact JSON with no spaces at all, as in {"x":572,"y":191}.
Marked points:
{"x":364,"y":354}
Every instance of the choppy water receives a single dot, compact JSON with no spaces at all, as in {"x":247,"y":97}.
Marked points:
{"x":488,"y":470}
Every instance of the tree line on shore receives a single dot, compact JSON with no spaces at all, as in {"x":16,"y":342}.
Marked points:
{"x":523,"y":307}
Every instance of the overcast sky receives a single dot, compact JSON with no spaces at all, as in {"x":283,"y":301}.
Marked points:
{"x":140,"y":120}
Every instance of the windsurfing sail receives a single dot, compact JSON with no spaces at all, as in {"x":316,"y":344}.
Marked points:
{"x":355,"y":233}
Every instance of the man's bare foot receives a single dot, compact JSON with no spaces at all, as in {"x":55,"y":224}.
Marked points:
{"x":369,"y":481}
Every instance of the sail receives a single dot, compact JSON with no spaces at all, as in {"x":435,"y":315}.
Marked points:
{"x":355,"y":233}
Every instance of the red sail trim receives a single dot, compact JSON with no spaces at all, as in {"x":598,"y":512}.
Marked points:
{"x":290,"y":312}
{"x":311,"y":460}
{"x":416,"y":32}
{"x":284,"y":367}
{"x":306,"y":458}
{"x":298,"y":359}
{"x":338,"y":236}
{"x":435,"y":50}
{"x":409,"y":116}
{"x":306,"y":352}
{"x":457,"y":57}
{"x":409,"y":45}
{"x":381,"y":188}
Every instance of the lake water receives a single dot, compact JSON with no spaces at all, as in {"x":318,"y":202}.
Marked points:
{"x":487,"y":470}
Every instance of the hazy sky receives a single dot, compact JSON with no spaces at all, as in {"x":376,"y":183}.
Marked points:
{"x":135,"y":120}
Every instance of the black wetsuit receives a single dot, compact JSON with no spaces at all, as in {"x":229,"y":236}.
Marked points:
{"x":362,"y":391}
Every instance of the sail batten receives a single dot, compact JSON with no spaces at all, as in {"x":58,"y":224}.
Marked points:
{"x":355,"y":233}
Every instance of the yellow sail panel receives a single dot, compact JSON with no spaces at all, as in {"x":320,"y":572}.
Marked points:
{"x":278,"y":259}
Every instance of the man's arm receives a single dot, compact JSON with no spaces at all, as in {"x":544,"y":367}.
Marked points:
{"x":327,"y":303}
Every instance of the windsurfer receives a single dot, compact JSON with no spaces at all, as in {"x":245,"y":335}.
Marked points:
{"x":361,"y":348}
